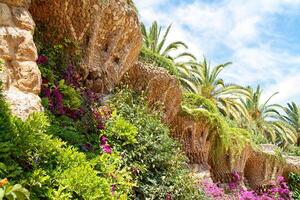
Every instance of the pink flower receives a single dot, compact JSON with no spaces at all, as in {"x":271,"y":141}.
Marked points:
{"x":113,"y":189}
{"x":168,"y":196}
{"x":103,"y":140}
{"x":232,"y":185}
{"x":280,"y":179}
{"x":248,"y":195}
{"x":106,"y":148}
{"x":42,"y":59}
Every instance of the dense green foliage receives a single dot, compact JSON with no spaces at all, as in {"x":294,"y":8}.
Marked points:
{"x":147,"y":56}
{"x":291,"y":116}
{"x":201,"y":79}
{"x":49,"y":168}
{"x":156,"y":43}
{"x":294,"y":185}
{"x":227,"y":137}
{"x":159,"y":165}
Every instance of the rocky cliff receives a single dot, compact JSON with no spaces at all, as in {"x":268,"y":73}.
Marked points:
{"x":108,"y":35}
{"x":106,"y":32}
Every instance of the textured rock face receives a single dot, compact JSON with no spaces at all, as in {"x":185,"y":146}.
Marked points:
{"x":159,"y":87}
{"x":199,"y":142}
{"x":264,"y":165}
{"x":107,"y":31}
{"x":21,"y":77}
{"x":17,"y":3}
{"x":256,"y":167}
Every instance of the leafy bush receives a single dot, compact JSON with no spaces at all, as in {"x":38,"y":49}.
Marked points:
{"x":120,"y":129}
{"x":61,"y":99}
{"x":227,"y":137}
{"x":159,"y":166}
{"x":293,"y":150}
{"x":71,"y":97}
{"x":50,"y":169}
{"x":150,"y":57}
{"x":13,"y":192}
{"x":294,"y":185}
{"x":198,"y":102}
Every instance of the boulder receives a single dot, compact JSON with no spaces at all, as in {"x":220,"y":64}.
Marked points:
{"x":20,"y":75}
{"x":106,"y":32}
{"x":265,"y":164}
{"x":159,"y":87}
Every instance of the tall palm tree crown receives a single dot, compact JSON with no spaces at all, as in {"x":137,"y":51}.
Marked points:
{"x":263,"y":118}
{"x":156,"y":41}
{"x":291,"y":116}
{"x":202,"y":79}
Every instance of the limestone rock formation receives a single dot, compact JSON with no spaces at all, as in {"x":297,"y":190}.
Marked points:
{"x":17,"y":3}
{"x":264,"y":165}
{"x":158,"y":85}
{"x":256,"y":166}
{"x":107,"y":32}
{"x":20,"y":76}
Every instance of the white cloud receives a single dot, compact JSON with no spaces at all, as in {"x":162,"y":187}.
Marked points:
{"x":233,"y":30}
{"x":287,"y":87}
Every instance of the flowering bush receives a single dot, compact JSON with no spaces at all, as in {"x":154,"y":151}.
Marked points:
{"x":274,"y":190}
{"x":213,"y":191}
{"x":154,"y":158}
{"x":62,"y":99}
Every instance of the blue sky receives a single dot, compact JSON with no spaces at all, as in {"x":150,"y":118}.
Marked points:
{"x":260,"y":37}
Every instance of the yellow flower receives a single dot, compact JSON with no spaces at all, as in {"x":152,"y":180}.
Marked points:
{"x":3,"y":182}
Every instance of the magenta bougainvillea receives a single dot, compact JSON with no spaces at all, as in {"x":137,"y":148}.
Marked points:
{"x":104,"y":144}
{"x":42,"y":59}
{"x":274,"y":190}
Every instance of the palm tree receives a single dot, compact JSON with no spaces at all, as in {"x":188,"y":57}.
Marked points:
{"x":291,"y":116}
{"x":262,"y":118}
{"x":154,"y":41}
{"x":200,"y":78}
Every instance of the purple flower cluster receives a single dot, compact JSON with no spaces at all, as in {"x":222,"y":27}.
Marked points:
{"x":275,"y":190}
{"x":104,"y":145}
{"x":55,"y":100}
{"x":42,"y":59}
{"x":91,"y":97}
{"x":101,"y":115}
{"x":213,"y":191}
{"x":235,"y":182}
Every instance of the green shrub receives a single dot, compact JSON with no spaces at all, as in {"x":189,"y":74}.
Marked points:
{"x":72,"y":98}
{"x":293,"y":150}
{"x":159,"y":165}
{"x":51,"y":169}
{"x":14,"y":192}
{"x":227,"y":137}
{"x":294,"y":185}
{"x":150,"y":57}
{"x":198,"y":102}
{"x":120,"y":129}
{"x":66,"y":129}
